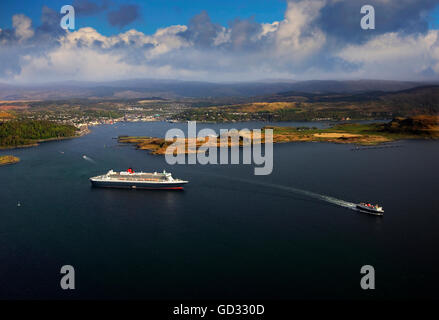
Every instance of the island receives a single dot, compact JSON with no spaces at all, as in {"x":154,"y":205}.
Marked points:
{"x":4,"y":160}
{"x":417,"y":127}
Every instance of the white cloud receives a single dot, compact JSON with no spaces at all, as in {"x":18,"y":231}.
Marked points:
{"x":167,"y":39}
{"x":163,"y":40}
{"x":396,"y":55}
{"x":269,"y":29}
{"x":295,"y":37}
{"x":88,"y":64}
{"x":222,"y":37}
{"x":22,"y":26}
{"x":295,"y":47}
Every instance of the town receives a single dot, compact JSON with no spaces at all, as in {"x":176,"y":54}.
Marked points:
{"x":85,"y":113}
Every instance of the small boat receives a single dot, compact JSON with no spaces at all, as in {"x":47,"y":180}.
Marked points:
{"x":371,"y":209}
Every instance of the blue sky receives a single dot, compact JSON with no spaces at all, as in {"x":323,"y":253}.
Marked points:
{"x":227,"y":40}
{"x":154,"y":13}
{"x":161,"y":13}
{"x":434,"y":18}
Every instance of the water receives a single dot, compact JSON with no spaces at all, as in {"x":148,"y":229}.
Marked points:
{"x":229,"y":234}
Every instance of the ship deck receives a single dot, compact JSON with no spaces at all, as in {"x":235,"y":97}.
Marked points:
{"x":159,"y":177}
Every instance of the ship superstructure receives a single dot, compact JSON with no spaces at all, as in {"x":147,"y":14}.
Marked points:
{"x":371,"y":209}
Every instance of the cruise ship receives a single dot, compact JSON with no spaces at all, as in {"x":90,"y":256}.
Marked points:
{"x":138,"y":180}
{"x":371,"y":209}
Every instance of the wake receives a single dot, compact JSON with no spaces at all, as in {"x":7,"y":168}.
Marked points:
{"x":321,"y":197}
{"x":88,"y":159}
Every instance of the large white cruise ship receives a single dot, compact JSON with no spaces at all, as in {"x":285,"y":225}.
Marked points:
{"x":138,"y":180}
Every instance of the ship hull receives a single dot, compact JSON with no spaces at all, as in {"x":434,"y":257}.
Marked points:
{"x":370,"y":211}
{"x":138,"y":185}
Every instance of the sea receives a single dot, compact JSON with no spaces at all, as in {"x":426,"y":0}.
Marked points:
{"x":292,"y":234}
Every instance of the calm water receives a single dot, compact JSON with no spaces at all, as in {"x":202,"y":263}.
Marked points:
{"x":224,"y":236}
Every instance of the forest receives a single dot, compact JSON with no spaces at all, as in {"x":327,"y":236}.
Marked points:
{"x":27,"y":132}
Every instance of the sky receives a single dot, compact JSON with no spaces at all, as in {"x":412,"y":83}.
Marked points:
{"x":227,"y":41}
{"x":154,"y":14}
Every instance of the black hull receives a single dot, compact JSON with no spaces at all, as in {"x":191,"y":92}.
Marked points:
{"x":370,"y":211}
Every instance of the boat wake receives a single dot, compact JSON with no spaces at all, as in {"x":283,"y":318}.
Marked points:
{"x":88,"y":159}
{"x":321,"y":197}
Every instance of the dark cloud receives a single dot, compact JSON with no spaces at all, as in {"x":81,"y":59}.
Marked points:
{"x":201,"y":31}
{"x":243,"y":33}
{"x":123,"y":16}
{"x":49,"y":30}
{"x":341,"y":19}
{"x":89,"y":8}
{"x":7,"y":36}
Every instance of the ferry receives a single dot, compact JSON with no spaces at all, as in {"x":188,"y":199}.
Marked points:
{"x":371,"y":209}
{"x":138,"y":180}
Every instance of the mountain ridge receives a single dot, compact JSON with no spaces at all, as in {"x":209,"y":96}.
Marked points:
{"x":144,"y":88}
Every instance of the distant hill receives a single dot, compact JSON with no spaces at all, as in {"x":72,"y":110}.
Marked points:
{"x":421,"y":100}
{"x":146,"y":88}
{"x":351,"y":86}
{"x":418,"y":100}
{"x":301,"y":106}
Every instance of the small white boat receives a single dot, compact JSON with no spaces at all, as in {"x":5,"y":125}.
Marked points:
{"x":371,"y":209}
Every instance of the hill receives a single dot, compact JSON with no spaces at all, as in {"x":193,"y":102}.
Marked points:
{"x":144,"y":88}
{"x":299,"y":106}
